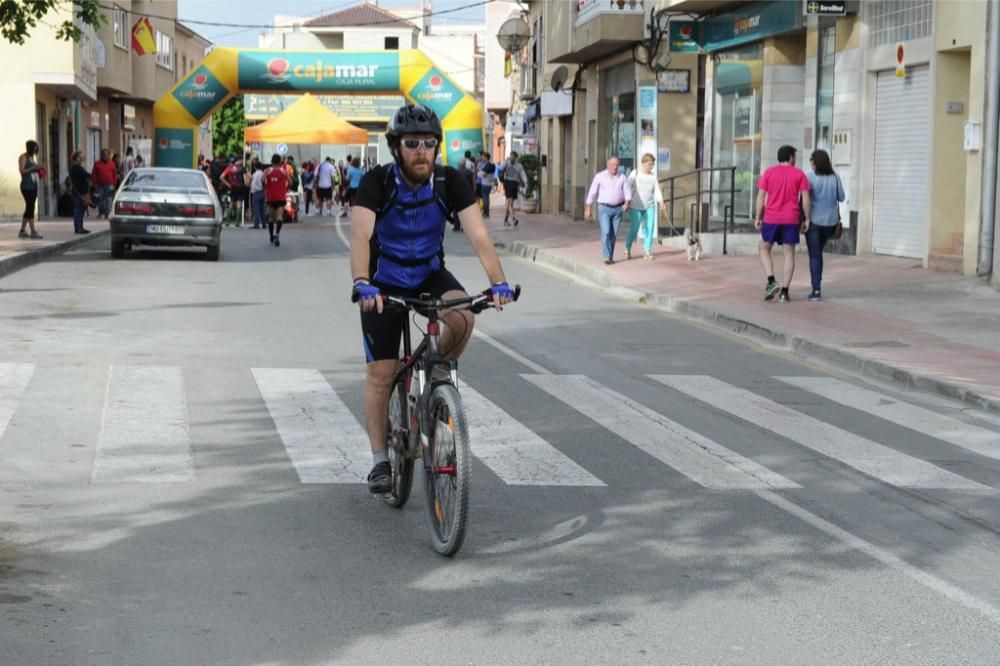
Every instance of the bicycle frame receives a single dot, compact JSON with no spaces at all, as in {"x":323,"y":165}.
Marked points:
{"x":421,"y":363}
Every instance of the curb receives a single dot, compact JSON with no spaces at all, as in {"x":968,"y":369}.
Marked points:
{"x":15,"y":262}
{"x":827,"y":354}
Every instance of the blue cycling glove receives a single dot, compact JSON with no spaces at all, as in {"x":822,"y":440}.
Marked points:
{"x":364,"y":291}
{"x":502,"y":290}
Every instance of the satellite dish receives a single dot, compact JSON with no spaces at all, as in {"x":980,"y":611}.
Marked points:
{"x":513,"y":34}
{"x":559,"y":77}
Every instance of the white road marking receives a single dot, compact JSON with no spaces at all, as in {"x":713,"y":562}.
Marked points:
{"x":514,"y":453}
{"x":894,"y":562}
{"x":340,"y":232}
{"x":526,"y":362}
{"x":14,"y":378}
{"x":144,"y":429}
{"x":864,"y":455}
{"x":970,"y":437}
{"x":700,"y":459}
{"x":325,"y":443}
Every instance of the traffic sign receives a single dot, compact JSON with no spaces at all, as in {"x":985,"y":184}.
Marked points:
{"x":900,"y":61}
{"x":825,"y":7}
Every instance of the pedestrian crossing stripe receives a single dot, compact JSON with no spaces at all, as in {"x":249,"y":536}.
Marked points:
{"x":144,"y":428}
{"x":515,"y":453}
{"x":144,"y":433}
{"x":875,"y":460}
{"x":14,"y":379}
{"x":958,"y":433}
{"x":324,"y":441}
{"x":700,"y":459}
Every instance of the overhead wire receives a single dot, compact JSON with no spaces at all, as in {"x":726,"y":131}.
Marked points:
{"x":254,"y":26}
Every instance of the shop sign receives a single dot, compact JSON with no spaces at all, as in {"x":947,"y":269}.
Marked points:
{"x":281,"y":70}
{"x":824,"y":7}
{"x":95,"y":119}
{"x":348,"y":107}
{"x":458,"y":141}
{"x":685,"y":37}
{"x":750,"y":23}
{"x":174,"y":147}
{"x":128,"y":117}
{"x":200,"y":92}
{"x":647,"y":119}
{"x":900,"y":61}
{"x":437,"y":92}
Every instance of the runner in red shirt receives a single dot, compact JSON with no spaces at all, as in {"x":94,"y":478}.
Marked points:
{"x":275,"y":187}
{"x":778,"y":218}
{"x":104,"y":176}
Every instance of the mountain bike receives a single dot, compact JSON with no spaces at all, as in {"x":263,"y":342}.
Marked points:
{"x":427,"y":421}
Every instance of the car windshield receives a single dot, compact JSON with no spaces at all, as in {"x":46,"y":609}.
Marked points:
{"x":179,"y":180}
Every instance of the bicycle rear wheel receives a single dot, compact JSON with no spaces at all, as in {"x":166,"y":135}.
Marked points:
{"x":447,"y":482}
{"x":402,"y":465}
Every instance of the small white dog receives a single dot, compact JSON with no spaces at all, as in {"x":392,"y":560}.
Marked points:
{"x":693,"y":245}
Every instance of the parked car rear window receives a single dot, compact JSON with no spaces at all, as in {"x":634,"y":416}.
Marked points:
{"x":166,"y":180}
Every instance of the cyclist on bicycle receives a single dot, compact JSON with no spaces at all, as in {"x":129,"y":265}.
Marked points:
{"x":397,"y":235}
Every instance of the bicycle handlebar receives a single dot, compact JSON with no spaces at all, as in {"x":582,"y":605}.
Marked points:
{"x":476,"y":303}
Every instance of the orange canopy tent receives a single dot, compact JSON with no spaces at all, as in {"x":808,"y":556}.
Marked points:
{"x":306,"y":121}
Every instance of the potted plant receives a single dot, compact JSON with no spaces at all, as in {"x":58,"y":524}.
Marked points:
{"x":530,"y":164}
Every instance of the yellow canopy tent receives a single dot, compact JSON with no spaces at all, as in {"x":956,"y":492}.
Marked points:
{"x":306,"y":121}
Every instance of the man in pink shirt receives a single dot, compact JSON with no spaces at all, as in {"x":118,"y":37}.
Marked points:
{"x":778,"y":220}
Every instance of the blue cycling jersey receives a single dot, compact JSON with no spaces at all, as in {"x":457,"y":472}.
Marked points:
{"x":408,"y":243}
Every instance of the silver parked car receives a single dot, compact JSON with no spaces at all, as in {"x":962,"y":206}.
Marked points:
{"x":164,"y":206}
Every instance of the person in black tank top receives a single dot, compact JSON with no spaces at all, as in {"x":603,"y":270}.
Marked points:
{"x":30,"y":172}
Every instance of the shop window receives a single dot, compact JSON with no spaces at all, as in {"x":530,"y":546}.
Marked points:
{"x":826,"y":59}
{"x":618,"y":86}
{"x":736,"y":137}
{"x":120,"y":27}
{"x":892,"y":21}
{"x":164,"y":50}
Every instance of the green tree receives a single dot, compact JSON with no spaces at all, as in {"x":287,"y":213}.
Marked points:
{"x":228,"y":125}
{"x":19,"y":17}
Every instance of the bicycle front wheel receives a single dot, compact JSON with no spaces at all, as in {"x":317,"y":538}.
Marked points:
{"x":446,"y":483}
{"x":402,"y":464}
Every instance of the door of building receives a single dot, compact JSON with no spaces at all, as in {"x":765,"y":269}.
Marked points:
{"x":93,"y":147}
{"x":44,"y":189}
{"x":902,"y":145}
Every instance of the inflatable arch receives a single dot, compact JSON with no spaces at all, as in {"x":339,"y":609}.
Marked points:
{"x":226,"y":72}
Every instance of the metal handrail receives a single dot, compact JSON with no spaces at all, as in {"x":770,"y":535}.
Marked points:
{"x":729,"y":217}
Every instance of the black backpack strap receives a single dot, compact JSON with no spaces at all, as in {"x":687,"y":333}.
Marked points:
{"x":441,"y":194}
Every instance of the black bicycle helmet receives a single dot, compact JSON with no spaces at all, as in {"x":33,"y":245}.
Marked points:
{"x":413,"y":119}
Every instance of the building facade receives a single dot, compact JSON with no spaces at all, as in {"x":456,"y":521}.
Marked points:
{"x":893,"y":90}
{"x":95,"y":94}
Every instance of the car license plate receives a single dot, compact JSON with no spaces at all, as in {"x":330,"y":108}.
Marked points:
{"x":165,"y":229}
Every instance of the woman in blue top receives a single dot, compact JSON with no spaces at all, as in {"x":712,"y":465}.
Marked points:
{"x":826,"y":192}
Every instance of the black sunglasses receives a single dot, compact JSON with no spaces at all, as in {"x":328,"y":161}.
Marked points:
{"x":413,"y":144}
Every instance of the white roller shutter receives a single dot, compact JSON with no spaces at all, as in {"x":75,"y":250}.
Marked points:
{"x":902,"y":163}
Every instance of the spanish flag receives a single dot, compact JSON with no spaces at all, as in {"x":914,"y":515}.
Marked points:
{"x":143,"y":38}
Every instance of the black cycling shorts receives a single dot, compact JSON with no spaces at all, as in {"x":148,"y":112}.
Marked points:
{"x":382,"y":333}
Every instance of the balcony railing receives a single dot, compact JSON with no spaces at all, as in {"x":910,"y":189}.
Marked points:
{"x":588,"y":9}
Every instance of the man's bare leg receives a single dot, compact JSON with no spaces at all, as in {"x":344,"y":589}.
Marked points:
{"x":457,"y":329}
{"x":789,"y":267}
{"x":766,"y":262}
{"x":378,"y":388}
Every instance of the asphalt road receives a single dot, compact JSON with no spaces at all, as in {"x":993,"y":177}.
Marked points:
{"x":181,"y":451}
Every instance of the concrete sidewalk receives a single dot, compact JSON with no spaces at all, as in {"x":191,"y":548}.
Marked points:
{"x":58,"y":237}
{"x":882,"y":317}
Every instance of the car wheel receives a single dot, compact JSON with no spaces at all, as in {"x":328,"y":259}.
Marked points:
{"x":117,"y":249}
{"x":213,"y":252}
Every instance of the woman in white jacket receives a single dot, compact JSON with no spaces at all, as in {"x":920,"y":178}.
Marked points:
{"x":646,"y":195}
